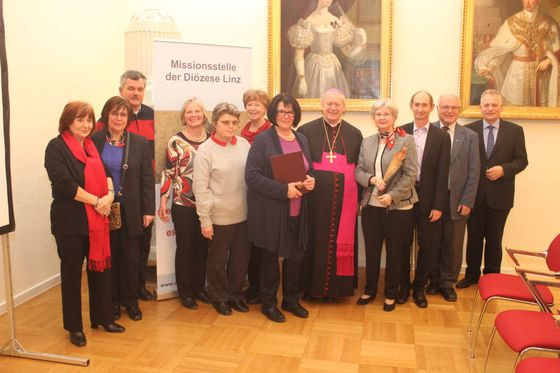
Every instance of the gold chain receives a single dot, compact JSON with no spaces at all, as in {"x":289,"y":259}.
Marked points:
{"x":331,"y":147}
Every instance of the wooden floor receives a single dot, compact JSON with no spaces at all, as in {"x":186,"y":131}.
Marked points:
{"x":340,"y":337}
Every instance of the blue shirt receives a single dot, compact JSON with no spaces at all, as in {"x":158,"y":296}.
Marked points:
{"x":112,"y":157}
{"x":485,"y":131}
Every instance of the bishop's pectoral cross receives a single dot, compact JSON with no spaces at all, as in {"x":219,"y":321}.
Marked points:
{"x":331,"y":156}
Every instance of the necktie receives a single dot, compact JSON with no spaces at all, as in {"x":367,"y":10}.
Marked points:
{"x":490,"y":141}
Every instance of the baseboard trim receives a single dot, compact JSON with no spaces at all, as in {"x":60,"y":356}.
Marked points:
{"x":32,"y":292}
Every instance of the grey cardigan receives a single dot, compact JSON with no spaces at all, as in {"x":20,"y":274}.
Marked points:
{"x":401,"y":188}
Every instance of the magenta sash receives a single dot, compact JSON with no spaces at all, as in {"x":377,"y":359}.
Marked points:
{"x":347,"y":225}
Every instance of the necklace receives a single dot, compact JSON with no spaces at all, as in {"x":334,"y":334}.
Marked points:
{"x":289,"y":137}
{"x":331,"y":146}
{"x":200,"y":138}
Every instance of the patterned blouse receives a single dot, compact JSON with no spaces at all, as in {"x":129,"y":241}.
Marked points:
{"x":178,"y":169}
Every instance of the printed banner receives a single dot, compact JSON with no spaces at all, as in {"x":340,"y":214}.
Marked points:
{"x":213,"y":74}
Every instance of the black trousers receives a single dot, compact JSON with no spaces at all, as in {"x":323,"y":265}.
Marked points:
{"x":254,"y":268}
{"x":191,"y":253}
{"x":291,"y":271}
{"x":145,"y":242}
{"x":395,"y":227}
{"x":72,"y":250}
{"x":228,"y":256}
{"x":429,"y":239}
{"x":125,"y":254}
{"x":485,"y":225}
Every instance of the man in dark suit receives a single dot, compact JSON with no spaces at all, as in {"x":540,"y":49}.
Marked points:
{"x":432,"y":148}
{"x":132,"y":88}
{"x":502,"y":156}
{"x":464,"y":172}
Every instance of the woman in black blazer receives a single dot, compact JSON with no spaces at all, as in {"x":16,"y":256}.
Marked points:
{"x":276,"y":211}
{"x":82,"y":195}
{"x":134,"y":188}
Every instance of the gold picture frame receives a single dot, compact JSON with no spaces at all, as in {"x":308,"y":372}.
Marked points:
{"x":481,"y":23}
{"x":366,"y":82}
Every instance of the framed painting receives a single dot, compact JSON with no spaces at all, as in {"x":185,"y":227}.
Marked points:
{"x":512,"y":46}
{"x":316,"y":45}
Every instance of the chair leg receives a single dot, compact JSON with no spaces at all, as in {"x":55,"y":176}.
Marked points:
{"x":479,"y":323}
{"x":488,"y":350}
{"x":472,"y":309}
{"x":517,"y":361}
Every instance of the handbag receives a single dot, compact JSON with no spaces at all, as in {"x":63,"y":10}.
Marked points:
{"x":115,"y":219}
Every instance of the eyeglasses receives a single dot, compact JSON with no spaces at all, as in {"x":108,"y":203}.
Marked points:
{"x":446,"y":108}
{"x":284,"y":113}
{"x":121,"y":114}
{"x":229,"y":122}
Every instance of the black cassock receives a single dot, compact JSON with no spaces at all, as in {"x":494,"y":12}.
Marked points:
{"x":319,"y":269}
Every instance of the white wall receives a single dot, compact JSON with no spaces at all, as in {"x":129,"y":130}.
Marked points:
{"x":62,"y":50}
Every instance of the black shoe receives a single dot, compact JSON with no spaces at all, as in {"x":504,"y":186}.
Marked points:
{"x":296,"y":309}
{"x":465,"y":283}
{"x":307,"y":297}
{"x":253,"y":295}
{"x":256,"y":299}
{"x":432,"y":289}
{"x":402,"y":296}
{"x":189,"y":302}
{"x":449,"y":294}
{"x":420,"y":298}
{"x":222,"y":308}
{"x":238,"y":305}
{"x":273,"y":314}
{"x":388,"y":307}
{"x":116,"y":312}
{"x":134,"y":312}
{"x":110,"y":328}
{"x":365,"y":299}
{"x":203,"y":297}
{"x":145,"y":294}
{"x":78,"y":339}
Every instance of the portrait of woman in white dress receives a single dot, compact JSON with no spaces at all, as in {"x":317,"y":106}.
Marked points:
{"x":324,"y":36}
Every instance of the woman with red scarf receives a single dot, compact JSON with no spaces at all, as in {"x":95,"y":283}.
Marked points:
{"x":387,"y":200}
{"x":82,"y":196}
{"x":128,"y":159}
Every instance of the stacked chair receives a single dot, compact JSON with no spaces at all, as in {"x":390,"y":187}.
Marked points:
{"x":524,"y":330}
{"x":500,"y":286}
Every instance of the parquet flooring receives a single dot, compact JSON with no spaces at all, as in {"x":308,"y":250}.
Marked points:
{"x":339,"y":337}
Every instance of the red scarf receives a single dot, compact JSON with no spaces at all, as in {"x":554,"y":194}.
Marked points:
{"x":390,"y":136}
{"x":95,"y":183}
{"x":250,"y":136}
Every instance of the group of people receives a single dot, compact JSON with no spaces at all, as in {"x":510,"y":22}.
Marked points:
{"x":94,"y":168}
{"x":234,"y":220}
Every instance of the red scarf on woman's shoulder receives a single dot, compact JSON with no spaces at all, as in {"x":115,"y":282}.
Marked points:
{"x":250,"y":136}
{"x":95,"y":183}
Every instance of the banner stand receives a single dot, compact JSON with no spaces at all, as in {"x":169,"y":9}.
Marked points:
{"x":13,"y":347}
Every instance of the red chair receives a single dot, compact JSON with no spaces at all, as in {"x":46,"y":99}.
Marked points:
{"x":538,"y":364}
{"x":512,"y":288}
{"x":525,"y":331}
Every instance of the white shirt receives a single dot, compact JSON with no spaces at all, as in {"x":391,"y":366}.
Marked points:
{"x":420,"y":136}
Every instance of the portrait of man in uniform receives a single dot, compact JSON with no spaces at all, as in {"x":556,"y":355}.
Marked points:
{"x":516,"y":50}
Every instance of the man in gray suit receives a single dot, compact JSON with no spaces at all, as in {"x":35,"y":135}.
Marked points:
{"x":464,"y":172}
